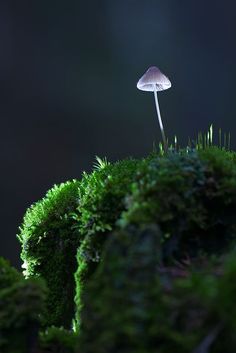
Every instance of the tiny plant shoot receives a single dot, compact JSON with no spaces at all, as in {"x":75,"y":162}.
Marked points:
{"x":155,"y":81}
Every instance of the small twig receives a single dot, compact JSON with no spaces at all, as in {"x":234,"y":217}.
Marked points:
{"x":208,"y":340}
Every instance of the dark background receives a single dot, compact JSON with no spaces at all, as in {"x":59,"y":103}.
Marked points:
{"x":68,"y":92}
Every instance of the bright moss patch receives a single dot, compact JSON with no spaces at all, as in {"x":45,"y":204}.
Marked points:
{"x":49,"y":241}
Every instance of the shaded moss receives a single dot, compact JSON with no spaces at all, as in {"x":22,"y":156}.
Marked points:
{"x":118,"y":298}
{"x":57,"y":340}
{"x":21,"y":310}
{"x":135,"y":303}
{"x":8,"y":274}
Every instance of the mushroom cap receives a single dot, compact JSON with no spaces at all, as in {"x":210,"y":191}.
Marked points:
{"x":153,"y":76}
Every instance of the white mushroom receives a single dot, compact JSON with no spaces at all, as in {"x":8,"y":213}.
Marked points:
{"x":155,"y":81}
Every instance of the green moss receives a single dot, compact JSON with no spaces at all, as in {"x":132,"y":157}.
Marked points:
{"x":185,"y":203}
{"x":57,"y":340}
{"x":49,"y":241}
{"x":21,"y":310}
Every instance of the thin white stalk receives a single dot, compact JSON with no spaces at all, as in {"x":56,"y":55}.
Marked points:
{"x":159,"y":118}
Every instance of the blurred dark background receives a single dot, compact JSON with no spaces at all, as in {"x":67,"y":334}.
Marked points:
{"x":68,"y":74}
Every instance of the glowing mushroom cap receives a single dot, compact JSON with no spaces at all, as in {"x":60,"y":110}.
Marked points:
{"x":153,"y":77}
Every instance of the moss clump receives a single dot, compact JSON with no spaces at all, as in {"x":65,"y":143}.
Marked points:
{"x":57,"y":340}
{"x":54,"y":228}
{"x":49,"y":241}
{"x":21,"y":310}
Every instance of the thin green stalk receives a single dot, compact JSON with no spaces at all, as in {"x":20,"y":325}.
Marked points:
{"x":229,"y":141}
{"x":225,"y":141}
{"x":220,"y":137}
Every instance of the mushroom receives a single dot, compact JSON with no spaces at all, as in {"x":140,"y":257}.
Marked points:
{"x":155,"y":81}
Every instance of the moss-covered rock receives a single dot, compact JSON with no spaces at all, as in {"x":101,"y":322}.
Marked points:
{"x":21,"y":310}
{"x":167,"y":211}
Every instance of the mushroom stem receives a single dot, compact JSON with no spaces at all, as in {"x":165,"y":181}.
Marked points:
{"x":159,"y":118}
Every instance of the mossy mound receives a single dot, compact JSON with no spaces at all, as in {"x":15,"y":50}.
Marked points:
{"x":167,"y":211}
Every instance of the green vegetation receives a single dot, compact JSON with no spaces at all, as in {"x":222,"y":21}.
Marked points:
{"x":57,"y":340}
{"x":136,"y":255}
{"x":21,"y":310}
{"x":54,"y":228}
